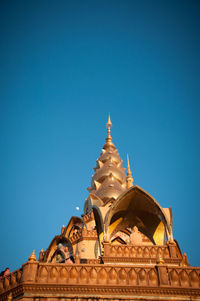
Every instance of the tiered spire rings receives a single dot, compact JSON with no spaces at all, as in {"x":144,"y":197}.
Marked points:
{"x":109,"y":179}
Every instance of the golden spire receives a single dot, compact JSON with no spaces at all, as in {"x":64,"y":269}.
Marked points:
{"x":109,"y":179}
{"x":32,"y":257}
{"x":129,"y":177}
{"x":109,"y":138}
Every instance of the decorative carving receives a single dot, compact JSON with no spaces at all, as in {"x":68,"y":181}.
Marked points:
{"x":6,"y":283}
{"x":136,"y":236}
{"x":132,"y":277}
{"x":133,"y":252}
{"x":53,"y":274}
{"x":126,"y":252}
{"x":194,"y":279}
{"x":113,"y":251}
{"x":97,"y":279}
{"x":153,"y":279}
{"x":13,"y":279}
{"x":43,"y":273}
{"x":83,"y":275}
{"x":93,"y":276}
{"x":102,"y":279}
{"x":165,"y":252}
{"x":122,"y":276}
{"x":153,"y":252}
{"x":142,"y":277}
{"x":73,"y":275}
{"x":64,"y":275}
{"x":112,"y":276}
{"x":139,"y":252}
{"x":146,"y":252}
{"x":174,"y":278}
{"x":119,"y":252}
{"x":184,"y":279}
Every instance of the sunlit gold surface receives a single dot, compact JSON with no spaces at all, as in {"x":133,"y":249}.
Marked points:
{"x":129,"y":175}
{"x":159,"y":234}
{"x":107,"y":169}
{"x":109,"y":179}
{"x":137,"y":207}
{"x":32,"y":257}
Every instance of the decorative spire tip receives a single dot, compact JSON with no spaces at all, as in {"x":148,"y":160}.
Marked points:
{"x":129,"y":174}
{"x":109,"y":123}
{"x":32,"y":257}
{"x":128,"y":164}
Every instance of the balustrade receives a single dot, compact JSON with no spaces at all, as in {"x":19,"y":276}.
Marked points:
{"x":136,"y":251}
{"x":97,"y":275}
{"x":102,"y":274}
{"x":10,"y":281}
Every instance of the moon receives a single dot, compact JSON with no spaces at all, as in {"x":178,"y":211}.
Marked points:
{"x":77,"y":208}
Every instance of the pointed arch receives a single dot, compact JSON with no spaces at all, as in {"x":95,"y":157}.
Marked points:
{"x":53,"y":247}
{"x":99,"y":225}
{"x":73,"y":221}
{"x":136,"y":203}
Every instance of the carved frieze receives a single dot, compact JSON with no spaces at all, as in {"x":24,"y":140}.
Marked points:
{"x":130,"y":253}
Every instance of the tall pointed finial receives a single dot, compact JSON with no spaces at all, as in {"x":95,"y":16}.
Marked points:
{"x":109,"y":123}
{"x":129,"y":177}
{"x":109,"y":126}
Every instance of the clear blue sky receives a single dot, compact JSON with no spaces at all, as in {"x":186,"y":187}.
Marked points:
{"x":64,"y":66}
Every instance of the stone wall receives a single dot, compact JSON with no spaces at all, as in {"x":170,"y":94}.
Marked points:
{"x":45,"y":280}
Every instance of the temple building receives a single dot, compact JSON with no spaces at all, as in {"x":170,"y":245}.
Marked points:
{"x":121,"y":248}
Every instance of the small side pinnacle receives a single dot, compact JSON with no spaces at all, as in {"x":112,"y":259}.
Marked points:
{"x":128,"y":167}
{"x":32,"y":257}
{"x":129,"y":177}
{"x":62,"y":229}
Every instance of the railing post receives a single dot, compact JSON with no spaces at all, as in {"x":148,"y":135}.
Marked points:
{"x":163,"y":275}
{"x":172,"y":250}
{"x":29,"y":270}
{"x":106,"y":249}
